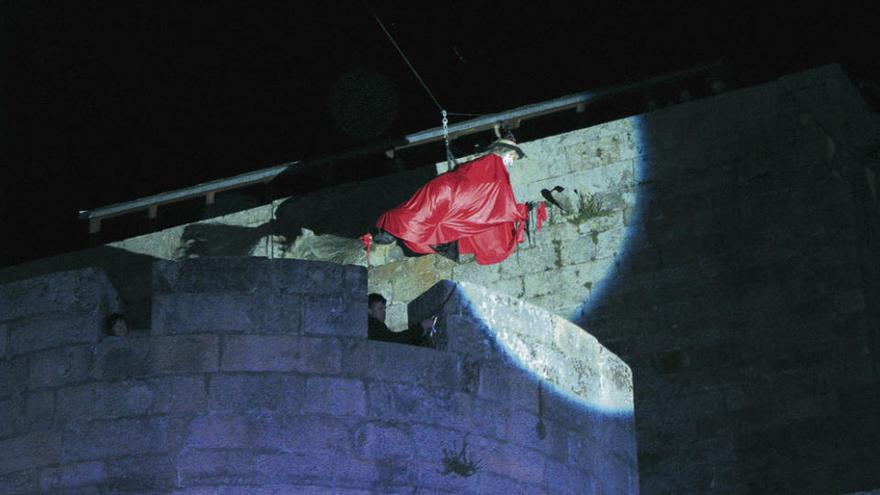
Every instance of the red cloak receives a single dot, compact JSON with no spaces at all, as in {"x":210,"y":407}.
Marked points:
{"x":473,"y":204}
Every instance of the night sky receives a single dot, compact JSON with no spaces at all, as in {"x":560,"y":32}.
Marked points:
{"x":103,"y":102}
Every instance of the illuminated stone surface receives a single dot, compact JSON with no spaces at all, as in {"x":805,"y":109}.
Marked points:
{"x":745,"y":297}
{"x":216,"y":403}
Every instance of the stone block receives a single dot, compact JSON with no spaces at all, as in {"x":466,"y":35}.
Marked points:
{"x":50,"y":330}
{"x":227,"y":312}
{"x":414,"y":403}
{"x":131,"y":398}
{"x":335,"y":316}
{"x":467,"y":336}
{"x":516,"y":462}
{"x":540,"y":284}
{"x":310,"y":277}
{"x":395,"y":316}
{"x":180,"y":313}
{"x":179,"y":394}
{"x":20,"y":482}
{"x":478,"y":274}
{"x":510,"y":286}
{"x":305,"y":434}
{"x":13,"y":375}
{"x":128,"y":398}
{"x":610,"y":243}
{"x":73,"y":292}
{"x":75,"y":402}
{"x":140,"y":474}
{"x":430,"y":442}
{"x":355,"y":281}
{"x":39,"y":409}
{"x":72,"y":476}
{"x":270,"y":489}
{"x":421,"y":274}
{"x":382,"y":441}
{"x":611,"y":177}
{"x":490,"y":418}
{"x":580,"y":250}
{"x":112,"y":438}
{"x":529,"y":260}
{"x":598,"y":437}
{"x":212,"y":274}
{"x":335,"y":397}
{"x":238,"y":467}
{"x":281,"y":353}
{"x":32,"y":450}
{"x":249,"y":275}
{"x":431,"y":478}
{"x":184,"y":353}
{"x":538,"y":433}
{"x":4,"y":340}
{"x":561,"y":227}
{"x":122,"y":358}
{"x":566,"y":479}
{"x":390,"y":362}
{"x":217,"y":431}
{"x":257,"y":393}
{"x":497,"y":383}
{"x":619,"y":477}
{"x":60,"y":366}
{"x":11,"y":415}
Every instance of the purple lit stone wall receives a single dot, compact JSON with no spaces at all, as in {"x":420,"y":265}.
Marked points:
{"x":257,"y":378}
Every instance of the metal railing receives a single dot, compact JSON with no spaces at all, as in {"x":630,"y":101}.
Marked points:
{"x":512,"y":117}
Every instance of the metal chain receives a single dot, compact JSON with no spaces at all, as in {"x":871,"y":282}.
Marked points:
{"x":445,"y":128}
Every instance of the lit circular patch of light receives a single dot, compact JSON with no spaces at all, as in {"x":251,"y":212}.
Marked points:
{"x":554,"y":351}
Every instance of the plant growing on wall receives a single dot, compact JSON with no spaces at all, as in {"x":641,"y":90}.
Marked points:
{"x":458,"y":462}
{"x":590,"y":207}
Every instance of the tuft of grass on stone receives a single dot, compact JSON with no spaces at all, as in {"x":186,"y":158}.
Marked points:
{"x":591,"y":207}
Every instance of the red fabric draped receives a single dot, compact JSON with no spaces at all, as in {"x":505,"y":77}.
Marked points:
{"x":473,"y":204}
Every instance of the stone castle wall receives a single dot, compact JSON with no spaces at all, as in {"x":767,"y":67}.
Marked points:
{"x":747,"y":301}
{"x":726,"y":248}
{"x":257,"y":378}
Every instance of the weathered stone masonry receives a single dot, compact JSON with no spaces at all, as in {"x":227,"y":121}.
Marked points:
{"x":727,"y":250}
{"x":257,"y":378}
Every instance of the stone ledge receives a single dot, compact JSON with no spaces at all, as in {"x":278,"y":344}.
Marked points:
{"x":216,"y":400}
{"x":258,"y":296}
{"x":74,"y":292}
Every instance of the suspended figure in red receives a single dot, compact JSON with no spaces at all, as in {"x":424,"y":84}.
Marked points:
{"x":471,"y":209}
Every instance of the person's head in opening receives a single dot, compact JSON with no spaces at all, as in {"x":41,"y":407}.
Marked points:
{"x":376,"y":306}
{"x":116,"y":325}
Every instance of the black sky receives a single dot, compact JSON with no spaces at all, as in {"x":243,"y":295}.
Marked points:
{"x":102,"y":102}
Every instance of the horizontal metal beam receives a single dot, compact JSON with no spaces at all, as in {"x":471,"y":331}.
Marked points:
{"x":206,"y":189}
{"x":577,"y":101}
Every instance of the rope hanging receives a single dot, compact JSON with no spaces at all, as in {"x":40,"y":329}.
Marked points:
{"x":452,"y":163}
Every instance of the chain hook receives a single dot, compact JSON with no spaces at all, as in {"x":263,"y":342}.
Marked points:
{"x":445,"y":127}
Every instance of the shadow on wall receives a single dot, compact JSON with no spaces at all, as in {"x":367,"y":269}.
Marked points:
{"x":560,"y":391}
{"x":739,"y":303}
{"x":347,"y":211}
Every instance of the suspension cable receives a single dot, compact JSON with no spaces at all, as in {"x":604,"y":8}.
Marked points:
{"x":413,"y":69}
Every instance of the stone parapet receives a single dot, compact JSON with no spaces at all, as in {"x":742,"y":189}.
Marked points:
{"x":279,"y":401}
